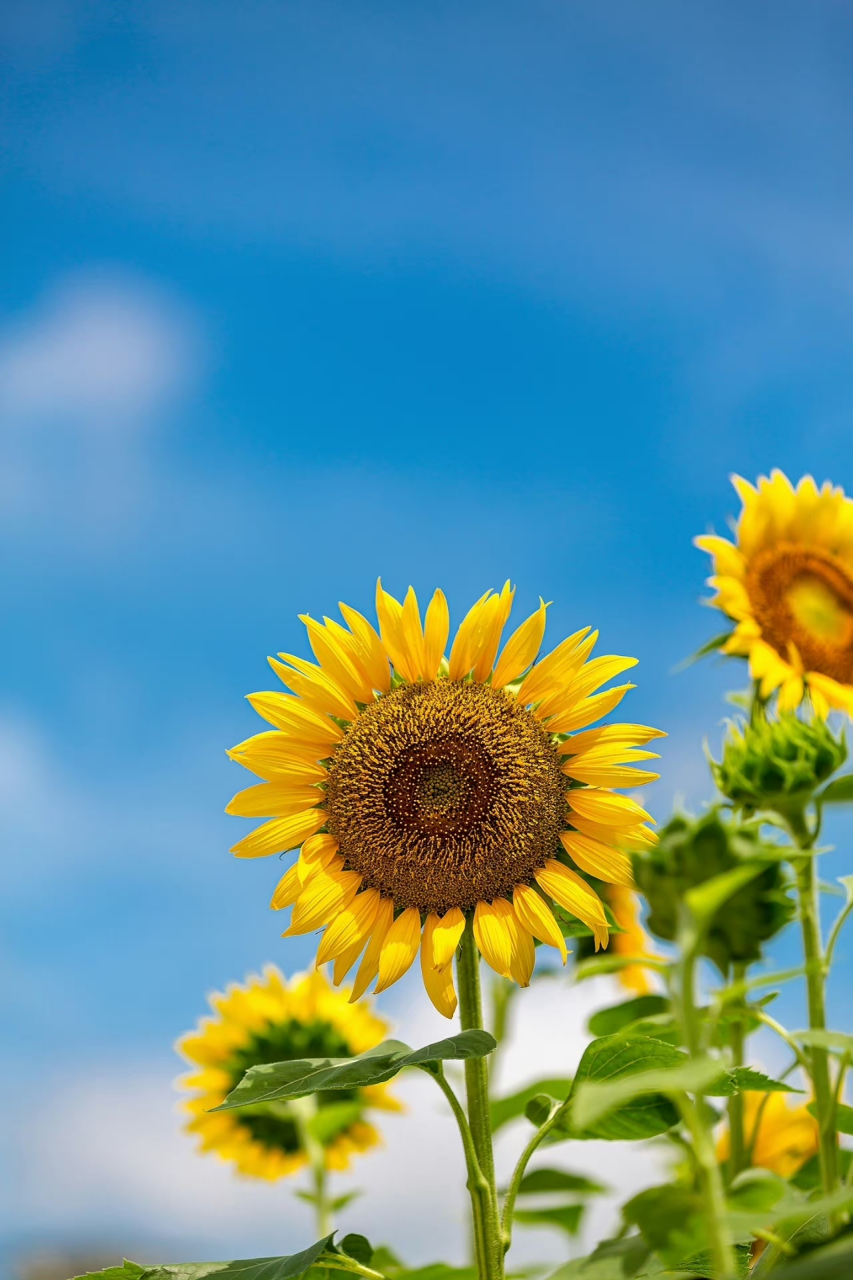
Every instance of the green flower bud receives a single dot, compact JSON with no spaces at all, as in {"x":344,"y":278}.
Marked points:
{"x":691,"y":851}
{"x":777,"y":764}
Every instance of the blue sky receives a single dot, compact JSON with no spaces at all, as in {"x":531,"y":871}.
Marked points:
{"x":297,"y":294}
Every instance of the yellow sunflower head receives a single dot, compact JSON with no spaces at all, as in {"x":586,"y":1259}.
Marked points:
{"x":787,"y":582}
{"x":426,"y":789}
{"x":785,"y":1138}
{"x":267,"y":1019}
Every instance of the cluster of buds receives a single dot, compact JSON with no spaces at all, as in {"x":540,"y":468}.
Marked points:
{"x":777,"y":764}
{"x":691,"y":851}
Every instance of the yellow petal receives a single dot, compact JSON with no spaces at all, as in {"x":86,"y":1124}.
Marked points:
{"x":446,"y":936}
{"x":317,"y":689}
{"x":437,"y":982}
{"x":273,"y":800}
{"x":588,"y":711}
{"x":287,"y":890}
{"x":609,"y":775}
{"x":609,"y":735}
{"x":320,"y":848}
{"x":369,"y":966}
{"x":521,"y":648}
{"x":399,"y":948}
{"x":487,"y":637}
{"x":574,"y":895}
{"x":279,"y":835}
{"x":728,"y":559}
{"x":461,"y":660}
{"x":492,"y":935}
{"x":413,"y":635}
{"x":372,"y":650}
{"x":597,"y":859}
{"x":830,"y":693}
{"x":537,"y":918}
{"x":606,"y":807}
{"x":390,"y":614}
{"x":591,"y":677}
{"x":352,"y":925}
{"x":272,"y":755}
{"x":522,"y":951}
{"x":436,"y":631}
{"x":325,"y":894}
{"x":288,"y":713}
{"x":345,"y":961}
{"x":556,"y":668}
{"x":335,"y":661}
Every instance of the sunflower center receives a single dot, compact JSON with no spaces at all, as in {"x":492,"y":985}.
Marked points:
{"x":445,"y":794}
{"x":805,"y":597}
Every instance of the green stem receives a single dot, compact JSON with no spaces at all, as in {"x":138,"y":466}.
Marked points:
{"x":738,"y":1159}
{"x":484,"y":1196}
{"x":809,"y":911}
{"x":322,"y":1207}
{"x":518,"y":1173}
{"x":303,"y":1111}
{"x":694,"y":1113}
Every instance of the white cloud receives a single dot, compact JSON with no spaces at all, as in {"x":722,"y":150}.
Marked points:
{"x":89,"y":372}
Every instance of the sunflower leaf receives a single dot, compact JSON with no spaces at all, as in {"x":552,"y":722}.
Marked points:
{"x":608,"y":1021}
{"x":505,"y":1109}
{"x":281,"y":1081}
{"x":127,"y":1271}
{"x":544,"y":1181}
{"x":610,"y":1062}
{"x":284,"y":1268}
{"x":566,"y":1217}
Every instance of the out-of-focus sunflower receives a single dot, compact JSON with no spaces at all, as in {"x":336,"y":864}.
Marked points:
{"x":427,"y":789}
{"x":267,"y":1019}
{"x":786,"y":1138}
{"x":787,"y":582}
{"x":632,"y":941}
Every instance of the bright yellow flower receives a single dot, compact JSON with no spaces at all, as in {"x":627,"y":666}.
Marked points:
{"x":788,"y":584}
{"x":269,"y":1020}
{"x":427,"y":789}
{"x":787,"y":1134}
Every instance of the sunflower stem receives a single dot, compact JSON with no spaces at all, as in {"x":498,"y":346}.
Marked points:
{"x":483,"y":1188}
{"x":809,"y":913}
{"x":738,"y":1158}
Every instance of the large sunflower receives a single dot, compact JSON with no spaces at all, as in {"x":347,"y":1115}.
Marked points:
{"x":424,"y":789}
{"x":788,"y":584}
{"x":268,"y":1020}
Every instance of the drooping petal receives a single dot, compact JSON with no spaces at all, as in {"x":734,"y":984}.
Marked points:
{"x":369,"y":966}
{"x":537,"y":917}
{"x":574,"y":895}
{"x":522,"y":951}
{"x":320,"y":849}
{"x":352,"y":925}
{"x":492,"y":935}
{"x":279,"y":835}
{"x":399,"y":948}
{"x":521,"y":648}
{"x":438,"y":982}
{"x":446,"y":935}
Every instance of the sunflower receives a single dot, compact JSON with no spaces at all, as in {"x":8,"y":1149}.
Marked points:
{"x":782,"y":1137}
{"x":426,"y":790}
{"x":269,"y":1020}
{"x":787,"y":582}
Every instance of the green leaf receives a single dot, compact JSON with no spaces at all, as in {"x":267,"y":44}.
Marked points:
{"x":710,"y":646}
{"x":834,"y":1041}
{"x":707,"y":898}
{"x":567,"y":1217}
{"x":542,"y":1181}
{"x":607,"y":1062}
{"x":332,"y":1118}
{"x":505,"y":1109}
{"x":281,"y":1081}
{"x":843,"y":1116}
{"x":746,"y":1080}
{"x":127,"y":1271}
{"x":670,"y":1220}
{"x":539,"y":1109}
{"x":592,"y":1101}
{"x":608,"y":1021}
{"x":595,"y":965}
{"x":757,"y":1189}
{"x":832,"y":1262}
{"x":839,"y":791}
{"x":807,"y":1177}
{"x":433,"y":1271}
{"x":358,"y":1247}
{"x":285,"y":1268}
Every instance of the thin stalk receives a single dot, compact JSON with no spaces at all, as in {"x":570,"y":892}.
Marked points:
{"x":809,"y":912}
{"x":478,"y":1187}
{"x":694,"y":1113}
{"x":322,"y":1207}
{"x":489,"y":1248}
{"x":303,"y":1111}
{"x":738,"y":1158}
{"x":518,"y":1173}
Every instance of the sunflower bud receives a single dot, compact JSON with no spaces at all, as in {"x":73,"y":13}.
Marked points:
{"x":692,"y":851}
{"x":777,"y":764}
